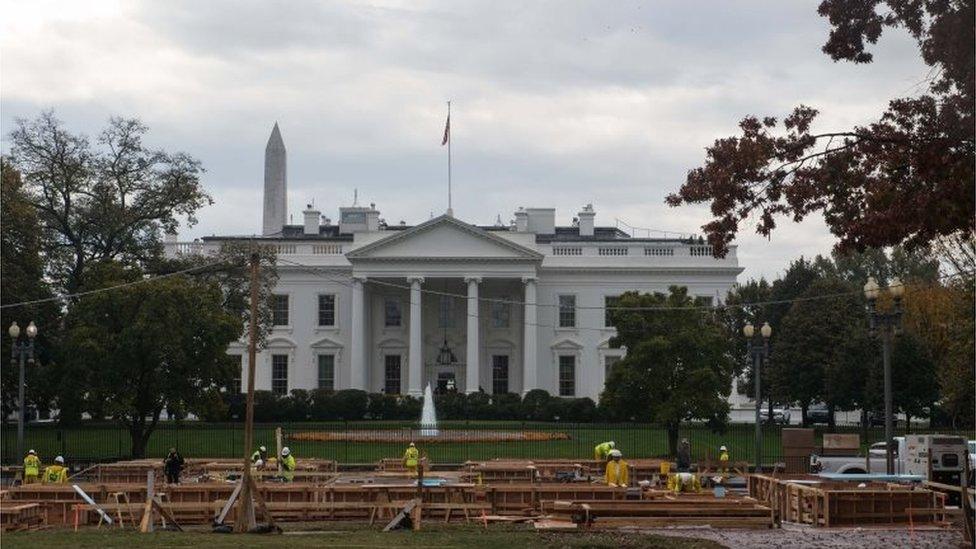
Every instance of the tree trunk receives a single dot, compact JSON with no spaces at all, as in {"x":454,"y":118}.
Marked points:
{"x":831,"y":422}
{"x":803,"y":413}
{"x":672,"y":428}
{"x":769,"y":412}
{"x":136,"y":434}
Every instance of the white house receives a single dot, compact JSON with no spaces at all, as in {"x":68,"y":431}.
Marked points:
{"x":501,"y":308}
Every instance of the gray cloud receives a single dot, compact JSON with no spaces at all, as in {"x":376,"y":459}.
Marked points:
{"x":556,"y":103}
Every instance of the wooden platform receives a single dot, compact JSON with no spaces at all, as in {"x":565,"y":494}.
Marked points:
{"x":678,"y":511}
{"x":808,"y":499}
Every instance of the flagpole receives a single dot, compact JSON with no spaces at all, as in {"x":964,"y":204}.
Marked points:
{"x":450,"y":209}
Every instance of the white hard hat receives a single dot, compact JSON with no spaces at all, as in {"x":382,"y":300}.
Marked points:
{"x":285,"y":451}
{"x":263,"y":448}
{"x":612,"y":444}
{"x":259,"y":463}
{"x":31,"y":452}
{"x":616,"y":453}
{"x":412,"y":444}
{"x":59,"y":459}
{"x":723,"y":448}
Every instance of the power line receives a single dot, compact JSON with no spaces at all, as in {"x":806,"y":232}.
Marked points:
{"x":612,"y":307}
{"x":109,"y":288}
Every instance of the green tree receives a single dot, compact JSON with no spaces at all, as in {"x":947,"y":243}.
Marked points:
{"x":913,"y":376}
{"x":107,"y":201}
{"x":821,"y":347}
{"x":136,"y":350}
{"x":679,"y":362}
{"x":22,"y":267}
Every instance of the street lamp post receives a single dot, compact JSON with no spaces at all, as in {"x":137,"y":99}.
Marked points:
{"x":886,"y":324}
{"x":21,"y":351}
{"x":758,"y":352}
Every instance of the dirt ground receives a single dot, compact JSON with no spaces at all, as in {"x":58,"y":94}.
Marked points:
{"x":795,"y":536}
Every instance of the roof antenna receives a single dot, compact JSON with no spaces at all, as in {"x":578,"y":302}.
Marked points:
{"x":355,"y":197}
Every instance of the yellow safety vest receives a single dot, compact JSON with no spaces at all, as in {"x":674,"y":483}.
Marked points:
{"x":411,"y":457}
{"x":32,"y":466}
{"x":602,"y":450}
{"x":288,"y":467}
{"x":617,"y":473}
{"x":55,"y":474}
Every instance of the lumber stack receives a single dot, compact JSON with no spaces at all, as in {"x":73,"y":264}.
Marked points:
{"x":24,"y":516}
{"x":678,"y":511}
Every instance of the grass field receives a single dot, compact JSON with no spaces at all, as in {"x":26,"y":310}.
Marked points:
{"x":351,"y":535}
{"x":108,"y":442}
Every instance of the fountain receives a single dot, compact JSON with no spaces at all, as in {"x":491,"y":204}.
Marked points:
{"x":428,"y":433}
{"x":428,"y":415}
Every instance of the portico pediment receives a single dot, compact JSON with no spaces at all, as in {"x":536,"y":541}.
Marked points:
{"x":444,"y":238}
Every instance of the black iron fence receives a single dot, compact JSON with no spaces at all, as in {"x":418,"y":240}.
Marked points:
{"x":369,"y":441}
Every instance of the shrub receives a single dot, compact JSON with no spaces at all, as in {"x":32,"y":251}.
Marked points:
{"x":350,"y":404}
{"x":534,"y":405}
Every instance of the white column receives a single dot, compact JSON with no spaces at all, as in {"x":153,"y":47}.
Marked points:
{"x":472,"y":379}
{"x":530,"y":376}
{"x":357,"y":335}
{"x":415,"y":358}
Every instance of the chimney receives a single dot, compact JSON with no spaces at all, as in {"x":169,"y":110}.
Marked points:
{"x":521,"y":220}
{"x":311,"y":220}
{"x":586,"y":216}
{"x":275,"y":183}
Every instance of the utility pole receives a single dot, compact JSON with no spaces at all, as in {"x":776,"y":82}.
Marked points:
{"x":244,"y":520}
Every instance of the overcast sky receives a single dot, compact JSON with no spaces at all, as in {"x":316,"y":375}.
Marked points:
{"x":554,"y":103}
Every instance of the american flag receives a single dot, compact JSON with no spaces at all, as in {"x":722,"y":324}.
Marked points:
{"x":447,"y":130}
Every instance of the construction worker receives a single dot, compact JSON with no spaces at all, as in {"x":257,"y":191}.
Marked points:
{"x":57,"y":473}
{"x":260,"y":454}
{"x":723,"y":459}
{"x":616,"y":474}
{"x":32,"y":467}
{"x":684,"y":482}
{"x":411,"y":459}
{"x":173,"y":466}
{"x":602,"y":451}
{"x":684,"y":456}
{"x":287,"y":464}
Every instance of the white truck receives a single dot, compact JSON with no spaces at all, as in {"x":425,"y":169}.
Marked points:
{"x":933,"y":457}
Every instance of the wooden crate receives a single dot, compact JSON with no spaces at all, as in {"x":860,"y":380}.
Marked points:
{"x":24,"y":516}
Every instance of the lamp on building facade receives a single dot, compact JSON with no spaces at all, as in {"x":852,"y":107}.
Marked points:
{"x":886,"y":324}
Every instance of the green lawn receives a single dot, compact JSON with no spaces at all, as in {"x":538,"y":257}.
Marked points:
{"x":351,"y":535}
{"x":106,"y":442}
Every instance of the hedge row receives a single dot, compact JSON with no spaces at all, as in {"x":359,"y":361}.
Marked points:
{"x":353,"y":405}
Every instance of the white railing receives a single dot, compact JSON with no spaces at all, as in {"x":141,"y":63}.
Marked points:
{"x":658,"y":251}
{"x":327,"y":249}
{"x":612,"y":250}
{"x":700,"y":251}
{"x":567,"y":250}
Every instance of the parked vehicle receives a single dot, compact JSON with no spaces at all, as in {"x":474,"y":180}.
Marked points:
{"x":781,"y":415}
{"x":818,"y":413}
{"x":877,"y":419}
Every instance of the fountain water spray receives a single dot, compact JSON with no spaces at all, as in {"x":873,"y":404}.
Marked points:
{"x":428,"y":416}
